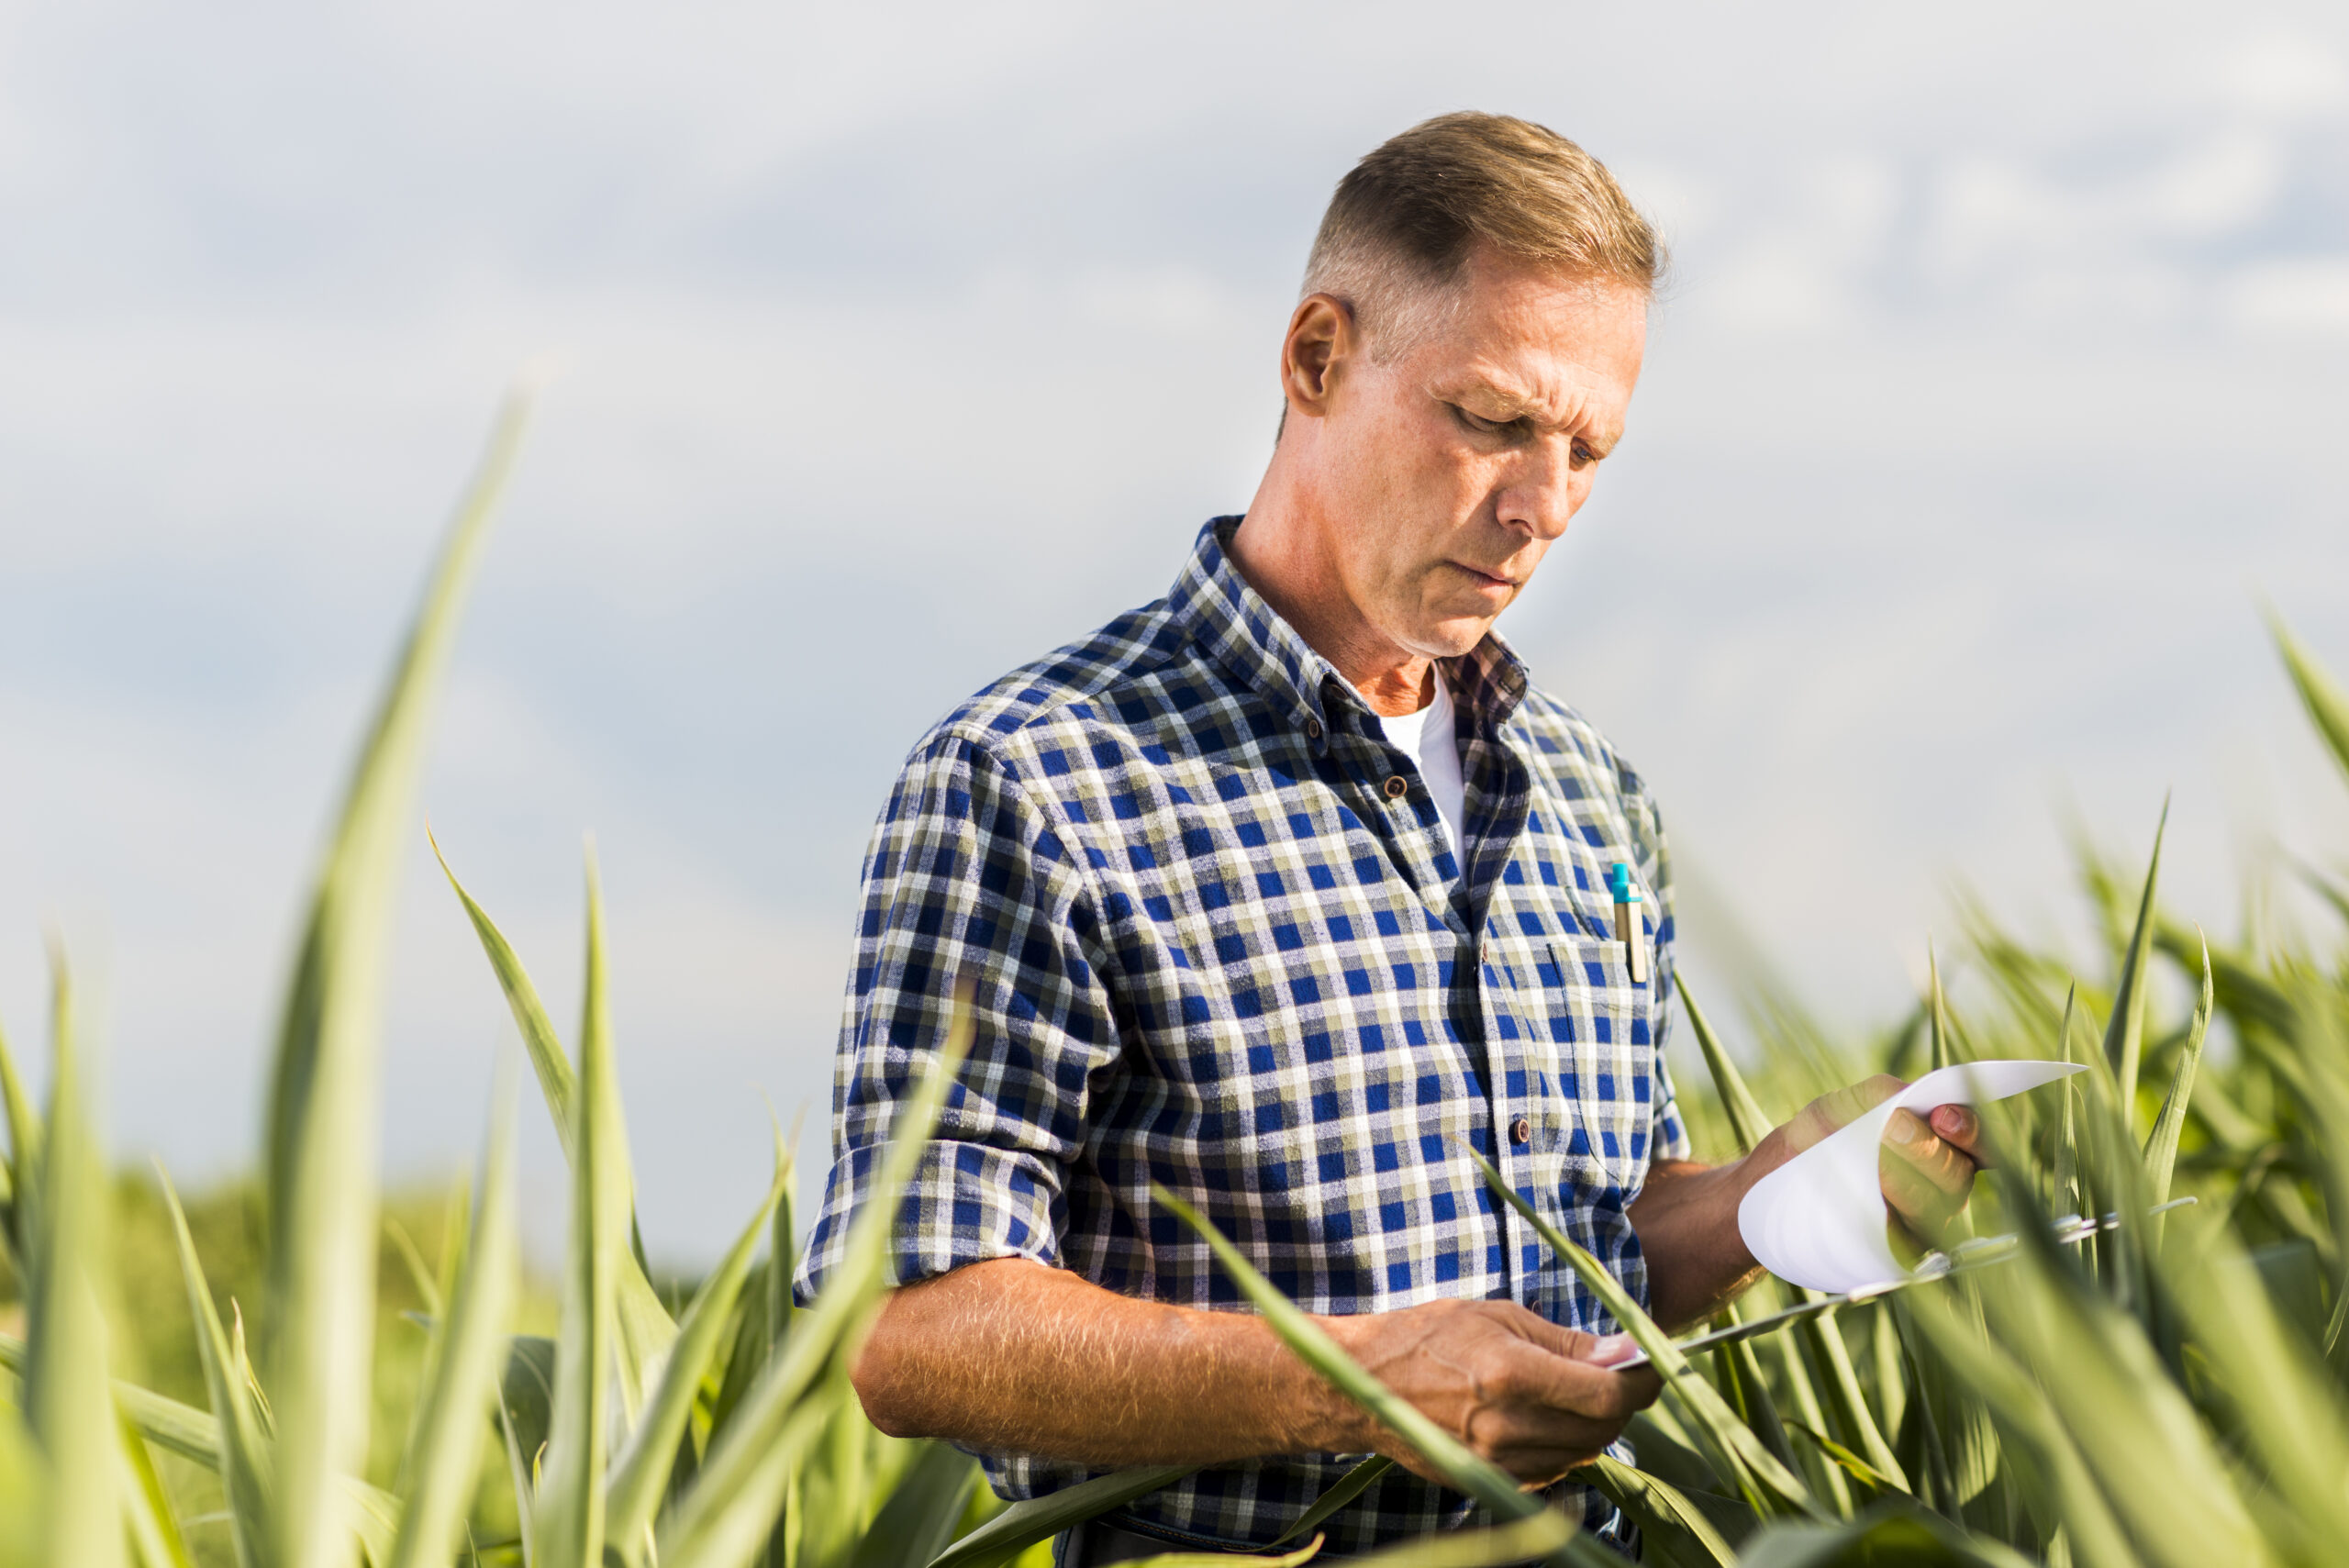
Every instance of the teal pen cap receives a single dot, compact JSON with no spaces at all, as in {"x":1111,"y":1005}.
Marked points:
{"x":1619,"y":883}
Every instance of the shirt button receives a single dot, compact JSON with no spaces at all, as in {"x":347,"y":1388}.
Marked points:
{"x":1313,"y":730}
{"x":1520,"y":1132}
{"x":1397,"y":786}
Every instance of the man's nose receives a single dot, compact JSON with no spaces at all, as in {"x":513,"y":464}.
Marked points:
{"x":1540,"y":495}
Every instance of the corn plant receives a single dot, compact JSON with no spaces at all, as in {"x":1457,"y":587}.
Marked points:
{"x":2098,"y":1377}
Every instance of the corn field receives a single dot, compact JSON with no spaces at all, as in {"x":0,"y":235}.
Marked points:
{"x":2101,"y":1376}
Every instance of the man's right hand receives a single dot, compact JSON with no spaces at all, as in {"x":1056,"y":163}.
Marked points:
{"x":1515,"y":1388}
{"x":1013,"y":1355}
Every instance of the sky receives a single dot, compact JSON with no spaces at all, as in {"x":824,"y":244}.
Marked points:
{"x":1996,"y":387}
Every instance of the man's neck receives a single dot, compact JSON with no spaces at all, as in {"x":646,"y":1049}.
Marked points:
{"x":1282,"y":555}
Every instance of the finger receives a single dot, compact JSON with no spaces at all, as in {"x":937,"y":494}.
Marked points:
{"x":1838,"y":1108}
{"x":1941,"y":1165}
{"x":1568,"y":1387}
{"x":1958,"y":1126}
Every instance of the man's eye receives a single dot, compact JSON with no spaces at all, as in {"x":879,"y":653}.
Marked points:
{"x":1477,"y":422}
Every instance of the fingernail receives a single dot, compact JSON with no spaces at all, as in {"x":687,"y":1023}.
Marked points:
{"x":1949,"y":1118}
{"x":1612,"y":1348}
{"x":1905,"y":1127}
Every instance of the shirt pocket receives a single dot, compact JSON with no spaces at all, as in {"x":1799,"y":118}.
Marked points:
{"x":1598,"y":1024}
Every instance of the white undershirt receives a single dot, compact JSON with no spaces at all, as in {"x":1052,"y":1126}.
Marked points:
{"x":1428,"y":737}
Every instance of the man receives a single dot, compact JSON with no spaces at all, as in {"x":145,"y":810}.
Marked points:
{"x":1283,"y":892}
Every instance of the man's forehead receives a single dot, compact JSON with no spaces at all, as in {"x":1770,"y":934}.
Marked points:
{"x":1545,"y":388}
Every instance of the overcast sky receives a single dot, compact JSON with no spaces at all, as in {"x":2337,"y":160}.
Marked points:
{"x":2001,"y":371}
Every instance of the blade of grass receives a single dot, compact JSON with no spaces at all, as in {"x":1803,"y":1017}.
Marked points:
{"x":639,"y":1474}
{"x":1541,"y":1535}
{"x":1746,"y":1118}
{"x":1848,"y":1415}
{"x":920,"y":1516}
{"x":724,"y":1519}
{"x":184,"y":1430}
{"x":322,"y":1129}
{"x":2328,"y":710}
{"x":67,"y":1396}
{"x":24,"y":1152}
{"x":1343,"y":1490}
{"x":1896,"y":1531}
{"x":2124,"y":1033}
{"x":154,"y":1528}
{"x":444,"y":1458}
{"x":1461,"y":1469}
{"x":241,"y":1450}
{"x":568,"y":1513}
{"x":646,"y":1328}
{"x":1736,"y":1455}
{"x":2161,"y":1148}
{"x":1670,"y":1525}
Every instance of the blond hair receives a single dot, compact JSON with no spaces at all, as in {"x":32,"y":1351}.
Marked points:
{"x":1405,"y":220}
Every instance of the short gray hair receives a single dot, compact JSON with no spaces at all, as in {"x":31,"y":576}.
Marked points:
{"x":1406,"y":219}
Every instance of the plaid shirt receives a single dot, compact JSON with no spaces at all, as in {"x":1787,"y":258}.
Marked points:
{"x":1220,"y":942}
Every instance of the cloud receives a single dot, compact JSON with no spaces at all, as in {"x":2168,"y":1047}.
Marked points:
{"x":902,"y":346}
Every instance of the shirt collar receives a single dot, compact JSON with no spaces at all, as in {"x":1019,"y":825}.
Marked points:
{"x":1218,"y":609}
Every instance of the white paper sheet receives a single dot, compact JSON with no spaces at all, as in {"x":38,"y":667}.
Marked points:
{"x":1818,"y":1221}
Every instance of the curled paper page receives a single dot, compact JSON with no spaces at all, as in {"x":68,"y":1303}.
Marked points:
{"x":1818,"y":1221}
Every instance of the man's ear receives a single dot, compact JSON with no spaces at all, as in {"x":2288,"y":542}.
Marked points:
{"x":1321,"y":337}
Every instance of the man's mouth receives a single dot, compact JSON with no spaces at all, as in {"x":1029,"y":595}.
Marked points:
{"x":1495,"y":578}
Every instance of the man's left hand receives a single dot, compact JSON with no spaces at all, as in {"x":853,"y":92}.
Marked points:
{"x":1928,"y":1161}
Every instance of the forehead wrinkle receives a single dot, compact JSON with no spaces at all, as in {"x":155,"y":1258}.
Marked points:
{"x":1508,"y":398}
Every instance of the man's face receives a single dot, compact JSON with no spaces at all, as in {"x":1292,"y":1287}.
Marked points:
{"x":1444,"y":473}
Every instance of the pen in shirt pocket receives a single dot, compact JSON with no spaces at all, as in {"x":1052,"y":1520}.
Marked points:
{"x":1627,"y":922}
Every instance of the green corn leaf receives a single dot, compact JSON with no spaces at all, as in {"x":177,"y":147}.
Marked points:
{"x":1737,"y":1371}
{"x":240,"y":1450}
{"x":1894,"y":1531}
{"x":568,"y":1515}
{"x":525,"y":1413}
{"x":1022,"y":1525}
{"x":1851,"y":1463}
{"x":557,"y":1083}
{"x":2055,"y":1479}
{"x":1343,"y":1490}
{"x":2328,"y":709}
{"x":920,"y":1516}
{"x":67,"y":1395}
{"x":1461,"y":1469}
{"x":1548,"y":1534}
{"x":646,"y":1330}
{"x":723,"y":1520}
{"x":2068,"y":1198}
{"x":2124,"y":1034}
{"x":156,"y":1540}
{"x":24,"y":1152}
{"x":1848,"y":1414}
{"x":1746,"y":1118}
{"x":1737,"y":1456}
{"x":1936,"y":1011}
{"x":2286,"y":1408}
{"x":193,"y":1434}
{"x":2161,"y":1148}
{"x":322,"y":1129}
{"x":1674,"y":1530}
{"x":639,"y":1474}
{"x":1827,"y":1482}
{"x":444,"y":1457}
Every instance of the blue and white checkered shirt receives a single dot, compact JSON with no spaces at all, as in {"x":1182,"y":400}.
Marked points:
{"x":1220,"y":942}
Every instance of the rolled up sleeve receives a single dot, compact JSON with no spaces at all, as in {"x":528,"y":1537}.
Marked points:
{"x":966,"y":882}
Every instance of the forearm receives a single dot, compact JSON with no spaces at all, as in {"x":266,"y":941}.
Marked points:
{"x":1013,"y":1355}
{"x":1687,"y":1219}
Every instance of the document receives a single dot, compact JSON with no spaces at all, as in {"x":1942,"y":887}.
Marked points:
{"x":1818,"y":1221}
